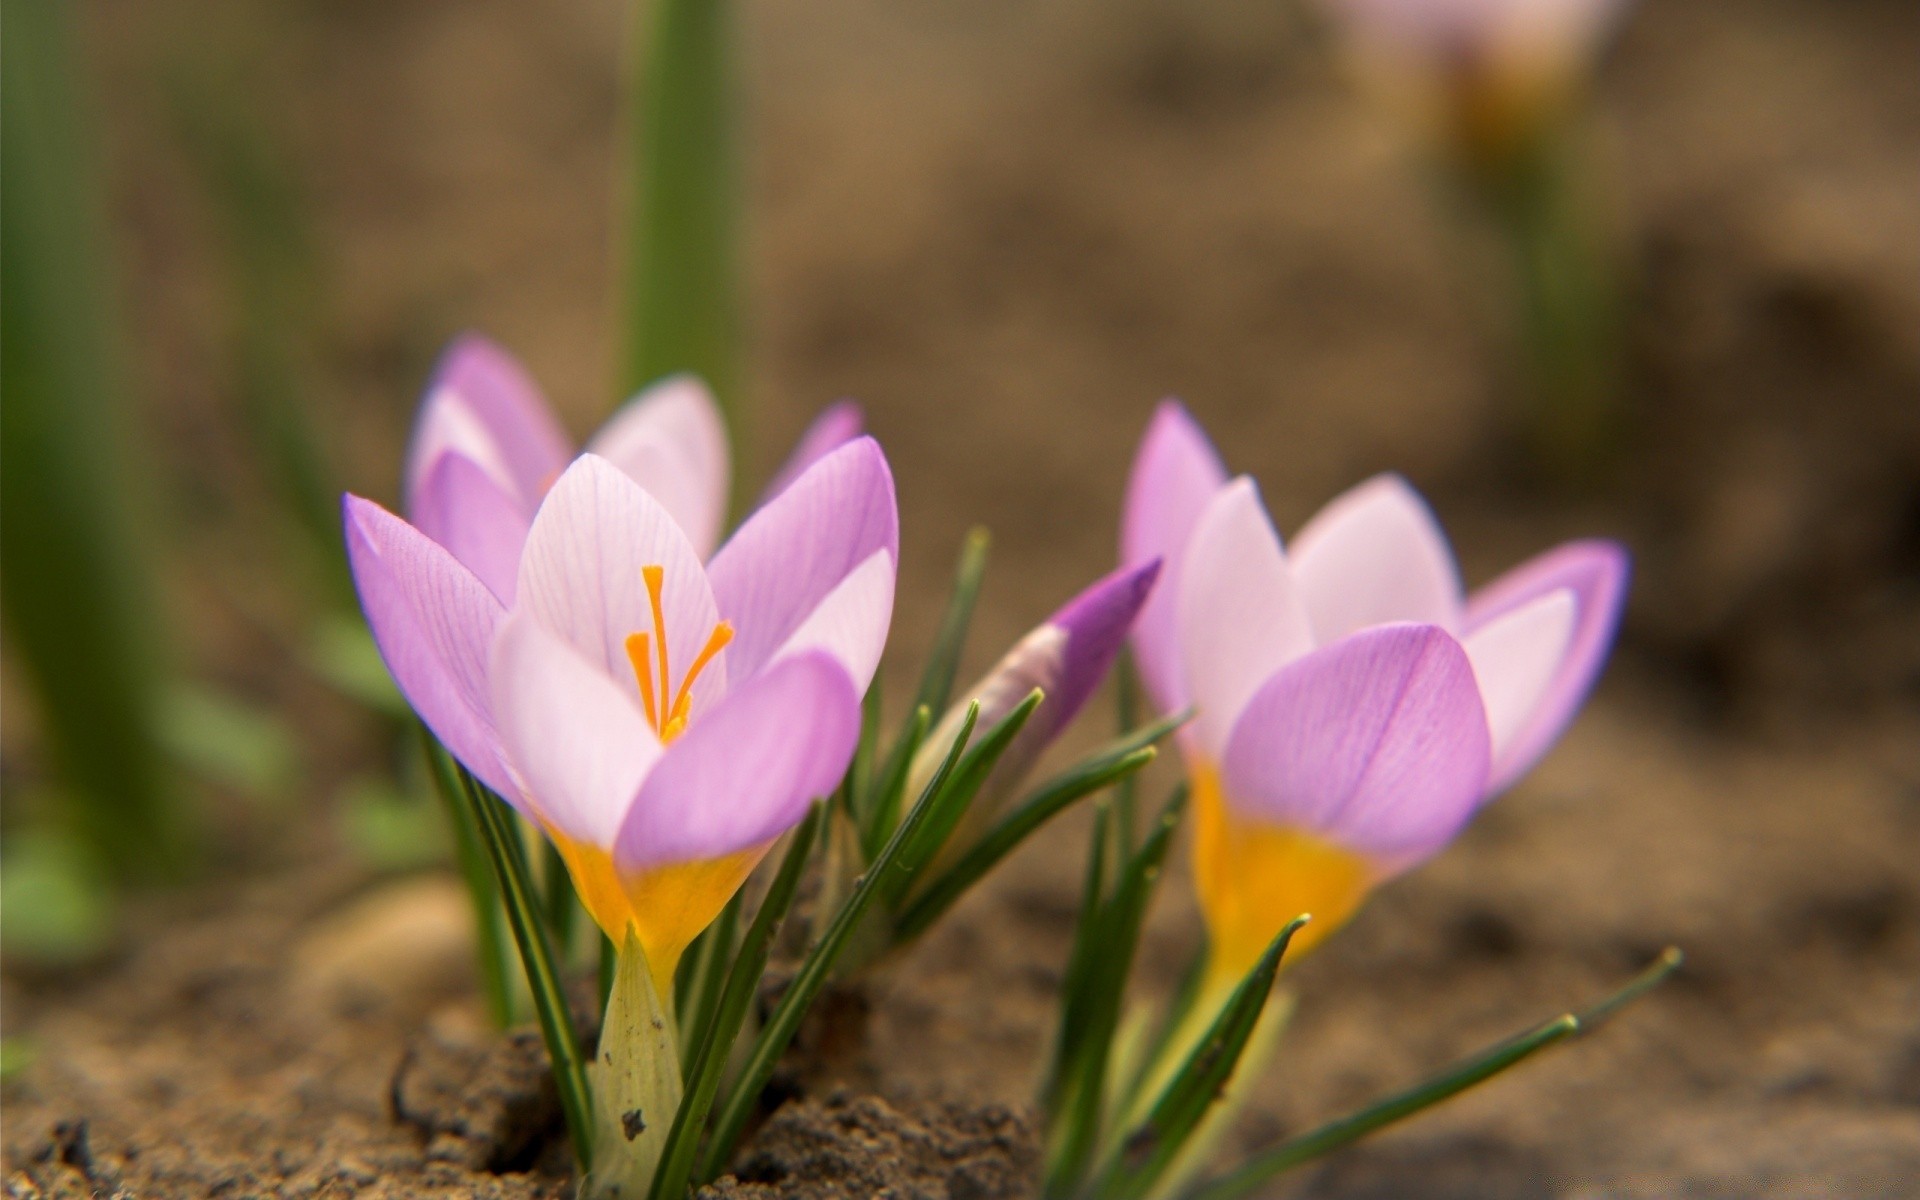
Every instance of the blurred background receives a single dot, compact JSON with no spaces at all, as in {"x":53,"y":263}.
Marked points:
{"x":1008,"y":230}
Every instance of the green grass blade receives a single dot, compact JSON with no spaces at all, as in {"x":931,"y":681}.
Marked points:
{"x":710,"y":1048}
{"x":562,"y":910}
{"x":891,"y":786}
{"x":818,"y":967}
{"x":502,"y":840}
{"x":1476,"y":1069}
{"x":958,"y":791}
{"x":1073,"y":991}
{"x":1042,"y":806}
{"x":78,"y":599}
{"x":704,"y":973}
{"x":682,"y":286}
{"x":943,"y":661}
{"x":1150,"y":1148}
{"x":860,"y":776}
{"x":482,"y":892}
{"x":1111,"y":961}
{"x":1126,"y":703}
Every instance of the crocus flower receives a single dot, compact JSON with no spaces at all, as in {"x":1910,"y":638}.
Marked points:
{"x":1066,"y":656}
{"x":1481,"y":73}
{"x":486,"y":447}
{"x":661,"y":719}
{"x":1354,"y":707}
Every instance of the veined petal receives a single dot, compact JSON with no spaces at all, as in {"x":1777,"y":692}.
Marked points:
{"x":482,"y":404}
{"x":463,"y":507}
{"x":1596,"y":573}
{"x":583,"y":575}
{"x":778,"y":567}
{"x":1377,"y":743}
{"x":746,"y":772}
{"x":1096,"y":624}
{"x":672,"y":441}
{"x":836,"y":425}
{"x":851,"y":623}
{"x":1175,"y":474}
{"x":1376,"y":554}
{"x":1239,"y":616}
{"x":1515,"y":657}
{"x":578,"y":745}
{"x":433,"y":622}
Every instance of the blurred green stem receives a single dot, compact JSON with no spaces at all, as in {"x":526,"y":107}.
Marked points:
{"x":681,"y":285}
{"x":80,"y":605}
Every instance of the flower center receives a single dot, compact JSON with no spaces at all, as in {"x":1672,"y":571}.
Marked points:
{"x":667,"y":709}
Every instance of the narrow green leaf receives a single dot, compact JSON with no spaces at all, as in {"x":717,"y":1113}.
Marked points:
{"x":502,"y":841}
{"x":561,"y":908}
{"x":714,"y":1040}
{"x":1073,"y":988}
{"x":1479,"y":1068}
{"x":860,"y":780}
{"x":1111,"y":959}
{"x":817,"y":969}
{"x":482,"y":892}
{"x":1126,"y":701}
{"x":1042,"y":806}
{"x":957,"y":793}
{"x":682,"y":284}
{"x":891,"y":785}
{"x":943,"y":661}
{"x":1151,"y":1147}
{"x":702,"y":974}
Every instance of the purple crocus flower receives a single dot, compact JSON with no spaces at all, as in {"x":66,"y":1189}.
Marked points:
{"x":486,"y":447}
{"x":1354,"y":706}
{"x":1066,"y":656}
{"x":661,"y":719}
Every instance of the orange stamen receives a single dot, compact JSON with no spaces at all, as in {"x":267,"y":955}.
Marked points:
{"x":716,"y":642}
{"x":656,"y":576}
{"x":643,"y":671}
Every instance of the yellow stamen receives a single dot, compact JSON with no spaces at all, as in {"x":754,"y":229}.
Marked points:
{"x":656,"y":577}
{"x":676,"y":723}
{"x":643,"y":671}
{"x":1252,"y":878}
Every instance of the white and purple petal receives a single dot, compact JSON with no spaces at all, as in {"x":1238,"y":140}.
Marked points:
{"x":672,"y":441}
{"x":1174,"y":475}
{"x":1595,"y":572}
{"x":1373,"y":555}
{"x":1239,"y":615}
{"x":482,"y":404}
{"x":851,"y":623}
{"x":837,"y":424}
{"x":746,"y":772}
{"x":1377,"y":743}
{"x":791,"y":555}
{"x":463,"y":507}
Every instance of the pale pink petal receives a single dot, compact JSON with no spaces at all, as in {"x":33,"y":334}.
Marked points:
{"x":851,"y":623}
{"x":672,"y":441}
{"x":482,"y":404}
{"x":1596,"y":573}
{"x":746,"y":772}
{"x":1175,"y":474}
{"x":1376,"y":554}
{"x":462,"y":506}
{"x":1515,"y":657}
{"x":777,"y":568}
{"x":433,"y":622}
{"x":1239,"y":615}
{"x":578,"y":745}
{"x":583,"y":574}
{"x":1377,"y":743}
{"x":836,"y":425}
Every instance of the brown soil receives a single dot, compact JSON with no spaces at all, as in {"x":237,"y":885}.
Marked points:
{"x":1009,"y":230}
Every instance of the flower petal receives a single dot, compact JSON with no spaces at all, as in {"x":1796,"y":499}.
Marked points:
{"x":583,"y":575}
{"x":778,"y":567}
{"x":1175,"y":474}
{"x":482,"y":404}
{"x":746,"y":772}
{"x":1239,"y":615}
{"x":836,"y":425}
{"x":1096,"y":623}
{"x":464,"y":508}
{"x":1373,"y":555}
{"x":1596,"y":572}
{"x":672,"y":441}
{"x":1377,"y":743}
{"x":433,"y":622}
{"x":579,"y":747}
{"x":1515,"y":657}
{"x":851,"y":623}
